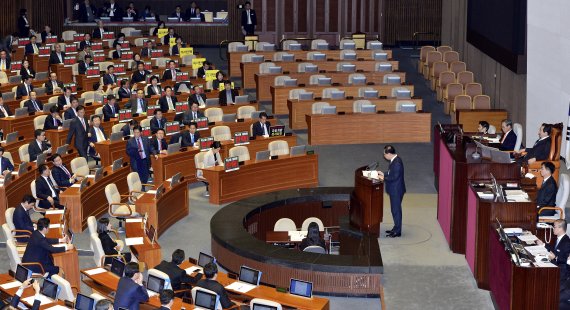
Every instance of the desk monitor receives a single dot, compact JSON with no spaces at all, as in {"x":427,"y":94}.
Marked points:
{"x":301,"y":288}
{"x":12,"y":137}
{"x":158,"y":194}
{"x":274,"y":70}
{"x":381,"y":56}
{"x":47,"y":106}
{"x":49,"y":289}
{"x":403,"y":93}
{"x":287,"y":57}
{"x":385,"y":67}
{"x":41,"y":159}
{"x":370,"y":94}
{"x":337,"y":94}
{"x":322,"y":46}
{"x":324,"y":81}
{"x":298,"y":150}
{"x":257,"y":58}
{"x":7,"y":96}
{"x":151,"y":232}
{"x":306,"y":96}
{"x":348,"y":46}
{"x":62,"y":150}
{"x":83,"y":184}
{"x":393,"y":80}
{"x":262,"y":155}
{"x":348,"y":67}
{"x":408,"y":107}
{"x":155,"y":284}
{"x":98,"y":174}
{"x":241,"y":48}
{"x":368,"y":108}
{"x":205,"y":300}
{"x":23,"y":168}
{"x":212,"y":102}
{"x":500,"y":157}
{"x":242,"y":99}
{"x":268,"y":47}
{"x":249,"y":275}
{"x":22,"y":273}
{"x":117,"y":164}
{"x":295,"y":46}
{"x":290,"y":82}
{"x":349,"y":56}
{"x":83,"y":302}
{"x":204,"y":259}
{"x":229,"y":118}
{"x":116,"y":136}
{"x":117,"y":267}
{"x":66,"y":123}
{"x":375,"y":45}
{"x":173,"y":148}
{"x":313,"y":68}
{"x":276,"y":130}
{"x":21,"y":112}
{"x":133,"y":33}
{"x":255,"y":114}
{"x":359,"y":80}
{"x":175,"y":179}
{"x":329,"y":110}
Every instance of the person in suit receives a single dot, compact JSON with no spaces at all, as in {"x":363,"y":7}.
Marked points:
{"x":202,"y":70}
{"x":170,"y":73}
{"x":5,"y":61}
{"x":261,"y":128}
{"x":176,"y":48}
{"x":46,"y":191}
{"x":38,"y":145}
{"x":483,"y":127}
{"x":86,"y":42}
{"x":193,"y":114}
{"x":117,"y":52}
{"x":128,"y":129}
{"x":139,"y":75}
{"x":210,"y":283}
{"x":198,"y":96}
{"x":541,"y":148}
{"x":16,"y":299}
{"x":110,"y":109}
{"x":139,"y":104}
{"x":178,"y":14}
{"x":191,"y":11}
{"x":228,"y":95}
{"x":220,"y":78}
{"x":5,"y":165}
{"x":248,"y":20}
{"x":33,"y":104}
{"x":178,"y":277}
{"x":138,"y":149}
{"x":146,"y":52}
{"x":98,"y":32}
{"x":110,"y":78}
{"x":313,"y":237}
{"x":166,"y":298}
{"x":157,"y":122}
{"x":57,"y":56}
{"x":71,"y":111}
{"x":46,"y":33}
{"x":131,"y":12}
{"x":509,"y":138}
{"x":168,"y":101}
{"x":79,"y":128}
{"x":186,"y":138}
{"x":25,"y":88}
{"x":110,"y":246}
{"x":83,"y":65}
{"x":154,"y":89}
{"x":62,"y":175}
{"x":158,"y":144}
{"x":53,"y":120}
{"x":82,"y":54}
{"x":395,"y":188}
{"x":87,"y":12}
{"x":27,"y":72}
{"x":96,"y":134}
{"x":125,"y":91}
{"x":200,"y":15}
{"x":558,"y":254}
{"x":23,"y":24}
{"x":64,"y":100}
{"x":547,"y":193}
{"x":53,"y":84}
{"x":130,"y":290}
{"x":32,"y":48}
{"x":21,"y":218}
{"x":4,"y":109}
{"x":114,"y":11}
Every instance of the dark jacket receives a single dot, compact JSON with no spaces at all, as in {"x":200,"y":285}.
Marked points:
{"x":163,"y":102}
{"x":34,"y":149}
{"x":219,"y":289}
{"x":81,"y":141}
{"x":137,"y":77}
{"x":49,"y":86}
{"x":21,"y":91}
{"x":54,"y":60}
{"x":509,"y":142}
{"x":108,"y":112}
{"x":167,"y":76}
{"x":29,"y":48}
{"x":194,"y":98}
{"x":224,"y":99}
{"x":39,"y":249}
{"x":561,"y":254}
{"x":155,"y":125}
{"x":109,"y":79}
{"x":394,"y":178}
{"x":151,"y":91}
{"x":546,"y":195}
{"x":7,"y":108}
{"x":61,"y":177}
{"x":49,"y":123}
{"x":22,"y":221}
{"x":31,"y":108}
{"x":258,"y":128}
{"x":540,"y":150}
{"x":154,"y":145}
{"x":176,"y":274}
{"x":129,"y":294}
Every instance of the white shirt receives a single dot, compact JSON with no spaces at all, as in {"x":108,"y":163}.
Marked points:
{"x":248,"y":18}
{"x":53,"y":194}
{"x":169,"y":100}
{"x":558,"y":240}
{"x":265,"y":133}
{"x":391,"y":160}
{"x":99,"y":134}
{"x":112,"y":10}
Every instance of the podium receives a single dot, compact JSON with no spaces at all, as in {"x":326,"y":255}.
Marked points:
{"x":366,"y":203}
{"x":39,"y":63}
{"x":64,"y":73}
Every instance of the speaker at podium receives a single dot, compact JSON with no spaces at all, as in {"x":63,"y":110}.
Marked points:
{"x":366,"y":201}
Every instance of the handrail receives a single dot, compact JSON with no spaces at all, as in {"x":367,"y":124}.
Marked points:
{"x":297,"y":39}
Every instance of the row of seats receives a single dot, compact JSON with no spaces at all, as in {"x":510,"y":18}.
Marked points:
{"x":353,"y":79}
{"x":327,"y":93}
{"x":359,"y":106}
{"x":284,"y":56}
{"x":289,"y":45}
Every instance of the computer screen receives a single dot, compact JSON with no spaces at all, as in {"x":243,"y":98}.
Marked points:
{"x":301,"y":288}
{"x":204,"y":259}
{"x":263,"y":307}
{"x":249,"y":275}
{"x":117,"y":267}
{"x":83,"y":302}
{"x":205,"y":300}
{"x":49,"y":289}
{"x":150,"y":233}
{"x":155,"y":284}
{"x":22,"y":273}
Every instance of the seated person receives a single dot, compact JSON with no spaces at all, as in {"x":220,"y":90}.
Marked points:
{"x":110,"y":247}
{"x":64,"y":100}
{"x":139,"y":75}
{"x":125,"y":91}
{"x":21,"y":218}
{"x":33,"y":104}
{"x":158,"y":144}
{"x":130,"y":290}
{"x":261,"y":128}
{"x":313,"y":237}
{"x":53,"y":120}
{"x":541,"y":148}
{"x":53,"y":84}
{"x":198,"y":96}
{"x":86,"y":63}
{"x":483,"y":127}
{"x":38,"y":145}
{"x":154,"y":89}
{"x":547,"y":192}
{"x":4,"y":109}
{"x":509,"y":138}
{"x":228,"y":95}
{"x":220,"y":78}
{"x":211,"y":159}
{"x":157,"y":121}
{"x":168,"y":101}
{"x":192,"y":114}
{"x":46,"y":191}
{"x":72,"y":111}
{"x":104,"y":304}
{"x":111,"y":108}
{"x":210,"y":283}
{"x":166,"y":298}
{"x":202,"y":70}
{"x":16,"y":299}
{"x":127,"y":130}
{"x":5,"y":164}
{"x":179,"y":279}
{"x":558,"y":254}
{"x":61,"y":174}
{"x":96,"y":134}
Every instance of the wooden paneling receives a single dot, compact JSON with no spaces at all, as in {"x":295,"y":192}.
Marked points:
{"x":320,"y":19}
{"x":334,"y":15}
{"x":404,"y":17}
{"x":40,"y":13}
{"x":302,"y":12}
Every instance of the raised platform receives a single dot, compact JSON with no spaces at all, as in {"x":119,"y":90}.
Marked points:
{"x":238,"y":238}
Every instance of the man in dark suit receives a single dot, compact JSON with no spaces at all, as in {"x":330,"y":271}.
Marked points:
{"x":248,"y":20}
{"x":56,"y":57}
{"x":191,"y":11}
{"x":5,"y":164}
{"x":228,"y":95}
{"x":170,"y":73}
{"x":46,"y":191}
{"x":547,"y":193}
{"x":171,"y":34}
{"x":33,"y":104}
{"x":128,"y":129}
{"x":87,"y":12}
{"x":64,"y":100}
{"x":157,"y":122}
{"x":186,"y":138}
{"x":202,"y":70}
{"x":166,"y":298}
{"x":139,"y":104}
{"x":46,"y":33}
{"x":200,"y":15}
{"x":168,"y":101}
{"x":114,"y":11}
{"x":61,"y":174}
{"x":158,"y":144}
{"x":110,"y":77}
{"x":139,"y":75}
{"x":146,"y":52}
{"x":541,"y":148}
{"x":210,"y":283}
{"x":178,"y":277}
{"x":25,"y":88}
{"x":23,"y":23}
{"x":53,"y":84}
{"x":96,"y":134}
{"x":72,"y":111}
{"x":261,"y":128}
{"x":98,"y":32}
{"x":33,"y":47}
{"x":558,"y":254}
{"x":38,"y":145}
{"x":5,"y":61}
{"x":198,"y":96}
{"x":125,"y":90}
{"x":192,"y":114}
{"x":510,"y":137}
{"x":79,"y":128}
{"x":86,"y":63}
{"x":110,"y":109}
{"x":395,"y":188}
{"x":131,"y":291}
{"x":16,"y":298}
{"x":86,"y":42}
{"x":178,"y":13}
{"x":4,"y":109}
{"x":53,"y":120}
{"x":138,"y":149}
{"x":117,"y":52}
{"x":21,"y":218}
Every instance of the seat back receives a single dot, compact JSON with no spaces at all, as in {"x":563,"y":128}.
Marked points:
{"x":264,"y":302}
{"x":197,"y":288}
{"x":92,"y":224}
{"x":214,"y":114}
{"x":112,"y":193}
{"x":438,"y":67}
{"x":473,"y":89}
{"x":309,"y":220}
{"x":450,"y":56}
{"x":97,"y":248}
{"x":265,"y":46}
{"x":221,"y":133}
{"x":424,"y":51}
{"x":79,"y":166}
{"x":233,"y":46}
{"x":199,"y":163}
{"x":127,"y":30}
{"x":315,"y":249}
{"x":391,"y":76}
{"x":65,"y":292}
{"x":433,"y":57}
{"x":162,"y":275}
{"x":353,"y":76}
{"x":317,"y":107}
{"x":314,"y":79}
{"x":3,"y":78}
{"x":145,"y":122}
{"x":302,"y":66}
{"x":9,"y":156}
{"x":13,"y":254}
{"x":453,"y":89}
{"x":315,"y":43}
{"x":10,"y":218}
{"x":53,"y":99}
{"x":280,"y":80}
{"x":445,"y":78}
{"x":457,"y":66}
{"x":347,"y":43}
{"x":264,"y":67}
{"x":327,"y":92}
{"x":245,"y":112}
{"x":481,"y":102}
{"x":563,"y":190}
{"x":39,"y":121}
{"x":465,"y":77}
{"x":23,"y":153}
{"x":241,"y":151}
{"x":117,"y":128}
{"x":294,"y":93}
{"x":68,"y":35}
{"x":33,"y":188}
{"x":357,"y":105}
{"x":462,"y":102}
{"x":518,"y":129}
{"x":287,"y":44}
{"x":247,"y":57}
{"x":444,"y":48}
{"x":556,"y":143}
{"x":7,"y":232}
{"x":278,"y":147}
{"x":284,"y":224}
{"x":134,"y":182}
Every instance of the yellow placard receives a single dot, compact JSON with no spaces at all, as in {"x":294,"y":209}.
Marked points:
{"x":172,"y":42}
{"x":162,"y":32}
{"x":197,"y":63}
{"x":186,"y":51}
{"x":223,"y":87}
{"x":211,"y":75}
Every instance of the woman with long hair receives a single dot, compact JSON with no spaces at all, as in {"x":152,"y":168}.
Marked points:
{"x":313,"y":237}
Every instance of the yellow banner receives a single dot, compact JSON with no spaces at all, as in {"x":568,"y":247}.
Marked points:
{"x":172,"y":42}
{"x":162,"y":32}
{"x":197,"y":62}
{"x":223,"y":87}
{"x":211,"y":75}
{"x":186,"y":51}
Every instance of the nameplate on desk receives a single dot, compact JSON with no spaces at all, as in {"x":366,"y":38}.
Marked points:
{"x":125,"y":116}
{"x":54,"y":212}
{"x":146,"y":132}
{"x":172,"y":128}
{"x":182,"y":107}
{"x":241,"y":138}
{"x":206,"y":143}
{"x":135,"y":220}
{"x":134,"y":241}
{"x":98,"y":57}
{"x":96,"y":46}
{"x":156,"y":53}
{"x":51,"y":40}
{"x":231,"y":164}
{"x":71,"y":48}
{"x":93,"y":71}
{"x":69,"y":61}
{"x":44,"y":51}
{"x":150,"y":110}
{"x":201,"y":123}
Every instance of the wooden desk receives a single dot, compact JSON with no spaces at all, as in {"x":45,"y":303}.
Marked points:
{"x":280,"y":94}
{"x":86,"y":83}
{"x":264,"y":81}
{"x":234,"y":58}
{"x":13,"y":148}
{"x":6,"y":278}
{"x":255,"y":178}
{"x":150,"y":253}
{"x":165,"y":166}
{"x":249,"y":69}
{"x":24,"y":125}
{"x":39,"y":63}
{"x":257,"y":145}
{"x":470,"y":118}
{"x":68,"y":261}
{"x":172,"y":206}
{"x":64,"y":73}
{"x":359,"y":128}
{"x":111,"y":151}
{"x":92,"y":201}
{"x":299,"y":108}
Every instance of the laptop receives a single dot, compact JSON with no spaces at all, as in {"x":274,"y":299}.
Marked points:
{"x":66,"y":123}
{"x":41,"y":159}
{"x":117,"y":164}
{"x":23,"y":168}
{"x":249,"y":275}
{"x":212,"y":101}
{"x":154,"y":285}
{"x":116,"y":136}
{"x":47,"y":106}
{"x":370,"y":94}
{"x":289,"y":83}
{"x":368,"y":108}
{"x":83,"y":302}
{"x":21,"y":112}
{"x":49,"y":289}
{"x":301,"y":288}
{"x":329,"y":110}
{"x":298,"y":150}
{"x":242,"y":99}
{"x":117,"y":267}
{"x":173,"y":148}
{"x":62,"y":150}
{"x":359,"y":80}
{"x":12,"y":137}
{"x":229,"y":118}
{"x":22,"y":273}
{"x":98,"y":174}
{"x":306,"y":96}
{"x":205,"y":300}
{"x":348,"y":68}
{"x":175,"y":179}
{"x":262,"y":155}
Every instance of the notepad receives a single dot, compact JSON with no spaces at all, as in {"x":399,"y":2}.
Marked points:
{"x":43,"y":299}
{"x":135,"y":220}
{"x":152,"y":192}
{"x":54,"y":212}
{"x":529,"y":175}
{"x":193,"y":269}
{"x":484,"y":195}
{"x":240,"y":287}
{"x":134,"y":241}
{"x":537,"y":250}
{"x":76,"y":185}
{"x":59,"y":245}
{"x":527,"y":238}
{"x":95,"y":271}
{"x":10,"y":285}
{"x":57,"y":307}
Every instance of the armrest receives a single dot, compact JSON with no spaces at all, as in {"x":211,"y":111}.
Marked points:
{"x":34,"y":264}
{"x":120,"y":204}
{"x":552,"y":208}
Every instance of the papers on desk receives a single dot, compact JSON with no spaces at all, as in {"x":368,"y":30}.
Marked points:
{"x":193,"y":269}
{"x":538,"y":263}
{"x":297,"y":236}
{"x":484,"y":195}
{"x":54,"y":212}
{"x":57,"y":307}
{"x":90,"y":176}
{"x":492,"y":140}
{"x":9,"y":285}
{"x":529,"y":175}
{"x":240,"y":287}
{"x":43,"y":299}
{"x":135,"y":220}
{"x":152,"y":192}
{"x":373,"y":174}
{"x":134,"y":241}
{"x":95,"y":271}
{"x":76,"y":185}
{"x":54,"y":225}
{"x":537,"y":250}
{"x":527,"y":238}
{"x":151,"y":293}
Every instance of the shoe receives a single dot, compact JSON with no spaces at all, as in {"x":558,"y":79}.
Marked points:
{"x":389,"y":231}
{"x":207,"y":194}
{"x":393,"y":235}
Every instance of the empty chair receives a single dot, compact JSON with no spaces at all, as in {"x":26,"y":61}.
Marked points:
{"x":317,"y":107}
{"x":287,"y":44}
{"x":23,"y":153}
{"x":356,"y":78}
{"x":214,"y":114}
{"x":518,"y":129}
{"x":245,"y":112}
{"x":127,"y":30}
{"x":457,"y":66}
{"x":348,"y":54}
{"x":341,"y":65}
{"x":327,"y":92}
{"x":435,"y":71}
{"x":357,"y":105}
{"x":264,"y":67}
{"x":278,"y":147}
{"x":234,"y":46}
{"x":450,"y":56}
{"x":402,"y":105}
{"x":302,"y":67}
{"x":221,"y":133}
{"x":465,"y":77}
{"x":362,"y":90}
{"x":265,"y":46}
{"x":64,"y":288}
{"x":452,"y":90}
{"x":391,"y":79}
{"x":92,"y":224}
{"x":280,"y":80}
{"x":444,"y":48}
{"x":432,"y":57}
{"x":3,"y":78}
{"x":294,"y":93}
{"x":347,"y":44}
{"x":319,"y":44}
{"x":117,"y":128}
{"x":314,"y":79}
{"x":482,"y":102}
{"x":492,"y":130}
{"x":279,"y":56}
{"x":118,"y":209}
{"x":461,"y":102}
{"x":258,"y":303}
{"x":383,"y":67}
{"x":309,"y":220}
{"x":241,"y":151}
{"x":396,"y":90}
{"x":39,"y":121}
{"x":284,"y":224}
{"x":53,"y":99}
{"x":79,"y":166}
{"x":315,"y":249}
{"x":473,"y":89}
{"x":135,"y":185}
{"x":89,"y":96}
{"x":444,"y":79}
{"x":141,"y":41}
{"x":68,"y":35}
{"x":145,"y":122}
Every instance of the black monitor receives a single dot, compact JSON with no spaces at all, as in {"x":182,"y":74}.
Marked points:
{"x":49,"y":289}
{"x":117,"y":267}
{"x":301,"y":288}
{"x":204,"y":259}
{"x":249,"y":275}
{"x":22,"y":273}
{"x":150,"y":232}
{"x":84,"y":302}
{"x":205,"y":300}
{"x":155,"y":284}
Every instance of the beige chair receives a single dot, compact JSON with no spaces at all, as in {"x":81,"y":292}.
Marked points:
{"x":197,"y":288}
{"x":118,"y":209}
{"x":22,"y":102}
{"x":482,"y":102}
{"x":315,"y":44}
{"x":142,"y":41}
{"x":395,"y":90}
{"x":92,"y":224}
{"x":187,"y":60}
{"x":327,"y":92}
{"x":12,"y":232}
{"x":340,"y":65}
{"x":284,"y":224}
{"x":432,"y":57}
{"x":452,"y":90}
{"x":278,"y":147}
{"x":287,"y":44}
{"x":353,"y":76}
{"x":306,"y":222}
{"x":136,"y":186}
{"x":4,"y":78}
{"x":9,"y":235}
{"x":345,"y":41}
{"x":68,"y":35}
{"x":302,"y":66}
{"x":280,"y":80}
{"x":23,"y":153}
{"x":221,"y":133}
{"x":391,"y":76}
{"x":89,"y":96}
{"x":278,"y":56}
{"x":465,"y":77}
{"x":15,"y":259}
{"x":317,"y":107}
{"x":117,"y":128}
{"x":369,"y":44}
{"x":444,"y":49}
{"x":245,"y":112}
{"x":265,"y":47}
{"x":39,"y":121}
{"x":436,"y":70}
{"x":98,"y":253}
{"x":473,"y":89}
{"x":214,"y":114}
{"x":162,"y":62}
{"x":104,"y":64}
{"x":264,"y":67}
{"x":450,"y":56}
{"x":457,"y":66}
{"x":199,"y":163}
{"x":518,"y":129}
{"x":99,"y":111}
{"x":264,"y":304}
{"x":127,"y":30}
{"x":461,"y":102}
{"x":65,"y":288}
{"x":80,"y":167}
{"x":346,"y":54}
{"x":362,"y":90}
{"x":423,"y":57}
{"x":233,"y":46}
{"x":294,"y":93}
{"x":357,"y":105}
{"x":247,"y":57}
{"x":145,"y":122}
{"x":314,"y":79}
{"x":241,"y":151}
{"x":444,"y":79}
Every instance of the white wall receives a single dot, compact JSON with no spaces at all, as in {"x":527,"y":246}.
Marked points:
{"x":548,"y":65}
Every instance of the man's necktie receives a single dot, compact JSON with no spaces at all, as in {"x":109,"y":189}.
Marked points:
{"x":3,"y":65}
{"x":200,"y":100}
{"x":99,"y":133}
{"x":35,"y":105}
{"x":36,"y":51}
{"x":66,"y":171}
{"x":3,"y":110}
{"x":83,"y":123}
{"x":54,"y":122}
{"x":112,"y":109}
{"x":50,"y":184}
{"x":192,"y":138}
{"x":170,"y":107}
{"x":194,"y":116}
{"x":141,"y":149}
{"x":159,"y":145}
